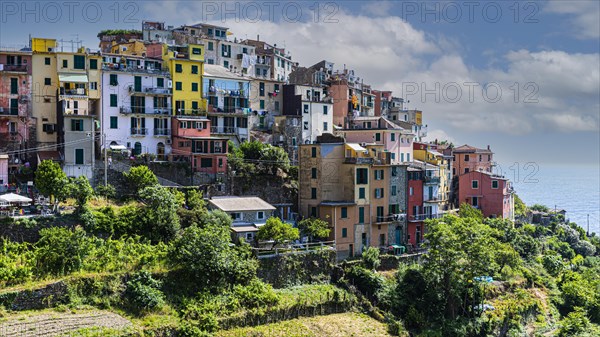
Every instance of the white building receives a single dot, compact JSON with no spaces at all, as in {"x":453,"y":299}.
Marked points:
{"x":315,"y":107}
{"x":136,"y":105}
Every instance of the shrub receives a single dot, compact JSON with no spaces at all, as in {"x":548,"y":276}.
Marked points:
{"x":143,"y":291}
{"x":366,"y":281}
{"x":256,"y":294}
{"x":370,"y":258}
{"x":107,"y":191}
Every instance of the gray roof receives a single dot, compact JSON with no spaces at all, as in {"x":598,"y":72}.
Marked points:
{"x":241,"y":204}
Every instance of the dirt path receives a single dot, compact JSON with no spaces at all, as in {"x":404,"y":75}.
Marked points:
{"x":50,"y":324}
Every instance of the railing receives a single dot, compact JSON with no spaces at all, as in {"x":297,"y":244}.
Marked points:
{"x":223,"y":129}
{"x":9,"y":111}
{"x":162,"y":132}
{"x":15,"y":67}
{"x":432,"y":179}
{"x":150,"y":90}
{"x":355,"y":160}
{"x":301,"y":248}
{"x":121,"y":67}
{"x":423,"y":217}
{"x":139,"y":131}
{"x":73,"y":92}
{"x":143,"y":110}
{"x":432,"y":199}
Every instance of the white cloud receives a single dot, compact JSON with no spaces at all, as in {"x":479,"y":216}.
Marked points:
{"x":584,"y":16}
{"x":441,"y":135}
{"x":377,"y":8}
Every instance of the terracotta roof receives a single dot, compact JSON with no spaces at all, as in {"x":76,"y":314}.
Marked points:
{"x":240,"y":204}
{"x":49,"y":155}
{"x":470,"y":149}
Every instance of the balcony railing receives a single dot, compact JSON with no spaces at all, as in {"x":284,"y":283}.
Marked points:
{"x":387,"y":218}
{"x":124,"y":68}
{"x":81,"y":92}
{"x":229,"y":130}
{"x":9,"y":111}
{"x":21,"y":68}
{"x":423,"y":217}
{"x":355,"y":160}
{"x":432,"y":179}
{"x":139,"y":131}
{"x":162,"y":132}
{"x":431,"y":199}
{"x":150,"y":90}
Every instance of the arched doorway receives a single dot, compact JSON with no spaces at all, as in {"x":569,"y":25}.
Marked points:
{"x":160,"y":151}
{"x":137,"y":149}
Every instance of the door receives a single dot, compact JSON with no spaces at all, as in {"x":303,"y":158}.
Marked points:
{"x":137,"y":149}
{"x":160,"y":151}
{"x":398,"y":235}
{"x":137,"y":83}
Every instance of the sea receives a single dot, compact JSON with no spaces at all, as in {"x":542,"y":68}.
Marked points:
{"x":574,"y":188}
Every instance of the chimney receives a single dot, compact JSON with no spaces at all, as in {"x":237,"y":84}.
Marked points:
{"x":488,"y":148}
{"x":257,"y":37}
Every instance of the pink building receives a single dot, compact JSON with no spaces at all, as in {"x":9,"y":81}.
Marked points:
{"x":3,"y":171}
{"x":490,"y":193}
{"x":469,"y":158}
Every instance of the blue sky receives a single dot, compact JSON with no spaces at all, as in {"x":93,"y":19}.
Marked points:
{"x":548,"y":49}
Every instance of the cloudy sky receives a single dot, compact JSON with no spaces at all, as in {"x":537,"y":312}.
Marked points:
{"x":523,"y":77}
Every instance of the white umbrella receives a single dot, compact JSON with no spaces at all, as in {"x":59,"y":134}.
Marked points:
{"x":14,"y":198}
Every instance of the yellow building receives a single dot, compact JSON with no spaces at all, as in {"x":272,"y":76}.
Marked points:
{"x":133,"y":47}
{"x":186,"y":66}
{"x":44,"y":90}
{"x":424,"y":153}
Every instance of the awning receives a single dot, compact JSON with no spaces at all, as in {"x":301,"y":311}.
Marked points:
{"x":244,"y":229}
{"x":356,"y":147}
{"x":73,"y":78}
{"x":118,"y":147}
{"x":14,"y":198}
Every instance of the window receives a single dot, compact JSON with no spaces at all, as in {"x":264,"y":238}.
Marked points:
{"x":194,"y":69}
{"x":475,"y":202}
{"x":226,"y":64}
{"x":313,"y":173}
{"x":344,"y":212}
{"x":178,"y":85}
{"x":378,"y":174}
{"x":114,"y":122}
{"x":210,"y":45}
{"x":194,"y":86}
{"x":393,"y":137}
{"x":467,"y":170}
{"x":79,"y":62}
{"x":262,"y":104}
{"x":361,"y":193}
{"x":261,"y":89}
{"x":196,"y":51}
{"x":411,"y":191}
{"x":276,"y":106}
{"x":305,"y":108}
{"x":362,"y":176}
{"x":378,"y":137}
{"x":378,"y":193}
{"x":394,"y":170}
{"x":206,"y":162}
{"x":14,"y":86}
{"x":325,"y":110}
{"x":276,"y":87}
{"x":293,"y":141}
{"x":93,"y":64}
{"x":313,"y":193}
{"x":178,"y":68}
{"x":160,"y":82}
{"x":194,"y":105}
{"x":475,"y":184}
{"x":78,"y":156}
{"x":260,"y":215}
{"x":466,"y":157}
{"x":77,"y":125}
{"x":325,"y":126}
{"x":313,"y":212}
{"x":47,"y":61}
{"x":113,"y":100}
{"x":314,"y":152}
{"x":47,"y":81}
{"x":65,"y":64}
{"x":394,"y":192}
{"x":408,"y":157}
{"x":344,"y":232}
{"x":494,"y":183}
{"x":361,"y":215}
{"x":236,"y":216}
{"x":113,"y":80}
{"x":210,"y":61}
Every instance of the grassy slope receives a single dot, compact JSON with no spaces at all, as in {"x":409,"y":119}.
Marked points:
{"x":338,"y":325}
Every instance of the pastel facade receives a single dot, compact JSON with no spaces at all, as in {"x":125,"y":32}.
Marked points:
{"x":247,"y":213}
{"x":490,"y":193}
{"x":45,"y":91}
{"x":186,"y":67}
{"x":315,"y":107}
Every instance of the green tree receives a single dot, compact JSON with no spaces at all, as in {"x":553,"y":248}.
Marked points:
{"x":194,"y":200}
{"x":468,"y":211}
{"x":520,"y":207}
{"x":314,"y":228}
{"x":159,"y":213}
{"x":370,"y":258}
{"x":209,"y":257}
{"x":539,"y":208}
{"x":139,"y":177}
{"x":82,"y":191}
{"x":107,"y":191}
{"x":51,"y":181}
{"x":60,"y":251}
{"x":277,"y":231}
{"x":274,"y":158}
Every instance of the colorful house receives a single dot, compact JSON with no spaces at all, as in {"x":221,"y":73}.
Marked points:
{"x":490,"y":193}
{"x":186,"y":66}
{"x":247,"y":213}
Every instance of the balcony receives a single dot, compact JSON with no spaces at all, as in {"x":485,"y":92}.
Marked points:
{"x":355,"y":160}
{"x":388,"y":218}
{"x":9,"y":112}
{"x":423,"y":217}
{"x":432,"y":179}
{"x":224,"y":130}
{"x":139,"y":132}
{"x":136,"y":69}
{"x":150,"y":90}
{"x":73,"y":93}
{"x":162,"y":132}
{"x":432,"y":199}
{"x":15,"y":68}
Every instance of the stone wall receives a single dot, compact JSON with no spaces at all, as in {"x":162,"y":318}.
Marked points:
{"x":35,"y":299}
{"x":293,"y":269}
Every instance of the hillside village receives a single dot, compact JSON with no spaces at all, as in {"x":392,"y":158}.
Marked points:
{"x":180,"y":181}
